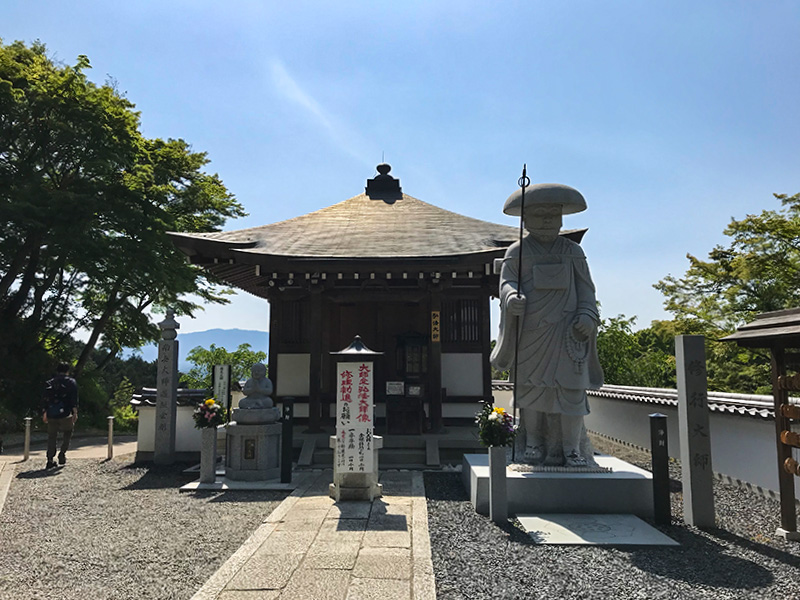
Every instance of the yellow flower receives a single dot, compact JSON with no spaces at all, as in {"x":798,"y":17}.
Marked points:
{"x":209,"y":402}
{"x":499,"y":410}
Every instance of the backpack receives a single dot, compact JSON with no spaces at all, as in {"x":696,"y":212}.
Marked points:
{"x":57,"y":398}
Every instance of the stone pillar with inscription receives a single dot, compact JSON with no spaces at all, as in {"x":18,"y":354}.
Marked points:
{"x":695,"y":435}
{"x":166,"y":391}
{"x":355,"y":445}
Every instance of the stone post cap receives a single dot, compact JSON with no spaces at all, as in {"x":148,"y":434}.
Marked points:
{"x":168,"y":326}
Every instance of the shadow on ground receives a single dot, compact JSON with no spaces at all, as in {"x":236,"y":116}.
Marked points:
{"x":730,"y":572}
{"x":40,"y":473}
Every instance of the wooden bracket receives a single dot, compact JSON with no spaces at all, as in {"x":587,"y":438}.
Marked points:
{"x":790,"y":438}
{"x":791,"y":466}
{"x":790,"y":411}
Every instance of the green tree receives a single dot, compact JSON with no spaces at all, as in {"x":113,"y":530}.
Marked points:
{"x":640,"y":358}
{"x":241,"y":359}
{"x":757,"y":271}
{"x":86,"y":202}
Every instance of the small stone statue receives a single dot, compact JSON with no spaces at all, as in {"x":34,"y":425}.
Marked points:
{"x":257,"y":389}
{"x":256,"y":407}
{"x":549,"y":320}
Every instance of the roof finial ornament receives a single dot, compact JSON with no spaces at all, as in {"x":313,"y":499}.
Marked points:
{"x":383,"y":186}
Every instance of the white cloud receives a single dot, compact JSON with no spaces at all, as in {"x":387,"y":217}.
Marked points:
{"x":342,"y":136}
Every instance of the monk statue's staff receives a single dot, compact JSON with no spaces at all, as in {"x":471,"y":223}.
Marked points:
{"x":523,"y":183}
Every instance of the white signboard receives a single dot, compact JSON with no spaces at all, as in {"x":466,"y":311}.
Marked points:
{"x":222,"y":384}
{"x":354,"y":417}
{"x":395,"y":388}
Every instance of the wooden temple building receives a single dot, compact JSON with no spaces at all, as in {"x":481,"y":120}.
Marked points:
{"x":413,"y":280}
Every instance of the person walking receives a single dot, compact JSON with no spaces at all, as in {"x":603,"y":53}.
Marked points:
{"x":60,"y":411}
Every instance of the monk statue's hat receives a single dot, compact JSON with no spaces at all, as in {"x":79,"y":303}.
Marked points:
{"x":570,"y":199}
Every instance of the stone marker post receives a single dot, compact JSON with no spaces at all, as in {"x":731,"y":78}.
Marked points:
{"x":498,"y":486}
{"x":208,"y":455}
{"x":27,"y":450}
{"x":287,"y":425}
{"x":659,"y":453}
{"x":166,"y":391}
{"x":695,"y":435}
{"x":355,"y":468}
{"x":110,"y":437}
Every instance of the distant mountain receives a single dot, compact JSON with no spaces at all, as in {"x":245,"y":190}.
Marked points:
{"x":230,"y":339}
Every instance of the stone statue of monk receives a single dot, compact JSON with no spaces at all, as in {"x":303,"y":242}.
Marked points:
{"x":551,"y":312}
{"x":257,"y":389}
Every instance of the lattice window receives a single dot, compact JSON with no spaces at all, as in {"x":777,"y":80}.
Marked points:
{"x":461,"y":320}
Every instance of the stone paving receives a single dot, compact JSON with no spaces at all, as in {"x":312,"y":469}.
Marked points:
{"x":312,"y":547}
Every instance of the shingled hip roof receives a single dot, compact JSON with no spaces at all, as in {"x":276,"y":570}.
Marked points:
{"x":362,"y":227}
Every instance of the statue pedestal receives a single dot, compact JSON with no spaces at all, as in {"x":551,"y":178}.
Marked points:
{"x":255,"y":416}
{"x":625,"y":489}
{"x":350,"y":485}
{"x":253,"y":451}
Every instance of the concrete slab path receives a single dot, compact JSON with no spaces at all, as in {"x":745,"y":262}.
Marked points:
{"x":312,"y":547}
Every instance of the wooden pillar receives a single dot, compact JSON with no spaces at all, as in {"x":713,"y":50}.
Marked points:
{"x":486,"y":342}
{"x":785,"y":479}
{"x":435,"y":369}
{"x":272,"y":358}
{"x":315,"y":370}
{"x":326,"y":362}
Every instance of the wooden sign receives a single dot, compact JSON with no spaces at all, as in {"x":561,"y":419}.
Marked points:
{"x":436,"y":331}
{"x":354,"y":417}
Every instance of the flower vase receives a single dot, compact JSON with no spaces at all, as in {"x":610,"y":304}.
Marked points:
{"x":208,"y":455}
{"x":498,"y":491}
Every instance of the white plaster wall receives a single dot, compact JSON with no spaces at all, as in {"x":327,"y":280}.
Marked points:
{"x":294,"y":372}
{"x":742,"y":447}
{"x":503,"y":398}
{"x":187,"y":436}
{"x":146,"y":432}
{"x":461,"y":410}
{"x":462,"y":374}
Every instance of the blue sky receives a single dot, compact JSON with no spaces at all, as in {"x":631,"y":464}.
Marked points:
{"x":670,"y":117}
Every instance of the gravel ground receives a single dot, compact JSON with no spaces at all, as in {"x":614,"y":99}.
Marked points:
{"x":474,"y":559}
{"x":117,"y":530}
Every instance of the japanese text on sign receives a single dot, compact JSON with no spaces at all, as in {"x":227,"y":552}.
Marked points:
{"x":435,"y":326}
{"x":354,"y":417}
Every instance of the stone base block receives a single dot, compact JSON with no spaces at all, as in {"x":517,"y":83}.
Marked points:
{"x":341,"y":493}
{"x":253,"y":452}
{"x":625,"y":490}
{"x":593,"y":530}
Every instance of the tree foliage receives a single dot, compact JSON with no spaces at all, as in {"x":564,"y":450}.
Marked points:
{"x":241,"y":359}
{"x":86,"y":203}
{"x":642,"y":358}
{"x":757,"y":271}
